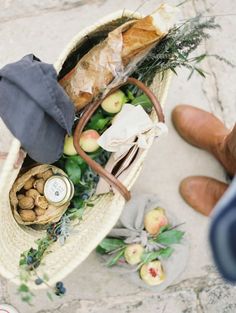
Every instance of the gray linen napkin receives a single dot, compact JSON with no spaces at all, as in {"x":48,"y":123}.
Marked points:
{"x":130,"y":226}
{"x":35,"y":108}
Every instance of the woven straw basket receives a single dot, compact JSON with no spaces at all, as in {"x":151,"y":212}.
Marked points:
{"x":97,"y":221}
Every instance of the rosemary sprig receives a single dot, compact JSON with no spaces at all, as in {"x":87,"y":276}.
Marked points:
{"x":30,"y":261}
{"x":175,"y":49}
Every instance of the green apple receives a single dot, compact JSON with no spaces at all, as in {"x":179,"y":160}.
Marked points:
{"x":133,"y":253}
{"x":69,"y":148}
{"x":154,"y":220}
{"x":88,"y":140}
{"x":152,"y":273}
{"x":113,"y":103}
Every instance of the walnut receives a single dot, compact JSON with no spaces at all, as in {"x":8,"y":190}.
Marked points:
{"x":39,"y":211}
{"x":29,"y":183}
{"x":26,"y":203}
{"x":20,"y":196}
{"x":41,"y":202}
{"x":33,"y":193}
{"x":45,"y":175}
{"x":39,"y":185}
{"x":27,"y":215}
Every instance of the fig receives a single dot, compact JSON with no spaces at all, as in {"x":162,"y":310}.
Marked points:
{"x":69,"y":148}
{"x":113,"y":103}
{"x":88,"y":140}
{"x":152,"y":273}
{"x":154,"y":220}
{"x":133,"y":253}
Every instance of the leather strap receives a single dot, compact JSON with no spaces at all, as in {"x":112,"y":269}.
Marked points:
{"x":87,"y":114}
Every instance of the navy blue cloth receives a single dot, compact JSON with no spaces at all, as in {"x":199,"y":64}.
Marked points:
{"x":223,"y":234}
{"x":35,"y":108}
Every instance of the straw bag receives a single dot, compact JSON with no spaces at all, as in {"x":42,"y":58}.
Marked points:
{"x":97,"y":220}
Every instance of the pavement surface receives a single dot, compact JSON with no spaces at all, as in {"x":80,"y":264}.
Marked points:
{"x":44,"y":28}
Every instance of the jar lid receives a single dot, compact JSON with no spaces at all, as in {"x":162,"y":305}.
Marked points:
{"x":58,"y":190}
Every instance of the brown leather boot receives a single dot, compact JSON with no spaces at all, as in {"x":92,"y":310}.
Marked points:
{"x":204,"y":130}
{"x":202,"y":193}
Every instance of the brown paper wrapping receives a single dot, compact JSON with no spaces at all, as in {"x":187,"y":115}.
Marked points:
{"x":53,"y":213}
{"x":107,"y":60}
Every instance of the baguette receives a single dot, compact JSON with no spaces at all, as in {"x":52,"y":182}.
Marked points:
{"x":108,"y":59}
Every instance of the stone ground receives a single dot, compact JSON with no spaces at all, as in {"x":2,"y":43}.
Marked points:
{"x":44,"y":28}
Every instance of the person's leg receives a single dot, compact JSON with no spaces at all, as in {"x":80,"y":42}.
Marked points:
{"x":223,"y":233}
{"x":204,"y":130}
{"x":202,"y":193}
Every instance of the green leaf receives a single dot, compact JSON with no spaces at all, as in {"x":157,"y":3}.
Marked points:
{"x":77,"y":159}
{"x":73,"y":170}
{"x":149,"y":256}
{"x":24,"y":275}
{"x":27,"y":298}
{"x":200,"y":58}
{"x":164,"y":228}
{"x":110,"y":244}
{"x":174,"y":71}
{"x":45,"y":277}
{"x":49,"y":296}
{"x":144,"y":101}
{"x":91,"y":205}
{"x":80,"y":213}
{"x":182,"y":56}
{"x":169,"y":237}
{"x":113,"y":261}
{"x":191,"y":74}
{"x":98,"y":122}
{"x":77,"y":202}
{"x":96,"y":154}
{"x":23,"y":261}
{"x":165,"y":253}
{"x":154,"y":255}
{"x":100,"y":250}
{"x":130,"y":95}
{"x":200,"y":71}
{"x":181,"y":3}
{"x":23,"y":288}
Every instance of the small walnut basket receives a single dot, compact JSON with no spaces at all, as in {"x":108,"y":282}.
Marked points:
{"x":52,"y":213}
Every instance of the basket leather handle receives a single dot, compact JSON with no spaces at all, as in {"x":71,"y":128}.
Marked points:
{"x":87,"y":114}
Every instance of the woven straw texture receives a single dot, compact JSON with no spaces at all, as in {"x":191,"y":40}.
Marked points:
{"x":97,"y":220}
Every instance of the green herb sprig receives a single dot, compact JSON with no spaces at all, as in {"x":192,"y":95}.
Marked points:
{"x":175,"y":49}
{"x":166,"y":238}
{"x":30,"y":261}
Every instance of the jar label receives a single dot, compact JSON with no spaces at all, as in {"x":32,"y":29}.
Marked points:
{"x":55,"y":189}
